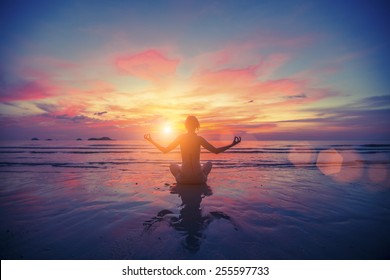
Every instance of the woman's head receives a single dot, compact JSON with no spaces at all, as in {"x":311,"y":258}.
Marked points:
{"x":192,"y":124}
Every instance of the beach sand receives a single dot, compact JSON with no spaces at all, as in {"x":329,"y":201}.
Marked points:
{"x":247,"y":211}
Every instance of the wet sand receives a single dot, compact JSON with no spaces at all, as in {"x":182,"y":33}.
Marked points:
{"x":138,"y":212}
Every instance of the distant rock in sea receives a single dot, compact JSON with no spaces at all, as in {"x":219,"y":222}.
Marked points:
{"x":100,"y":139}
{"x":35,"y":139}
{"x":79,"y":139}
{"x":49,"y":139}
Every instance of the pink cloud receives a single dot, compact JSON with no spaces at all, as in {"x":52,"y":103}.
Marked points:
{"x":33,"y":90}
{"x":239,"y":56}
{"x":233,"y":56}
{"x":270,"y":63}
{"x":98,"y":87}
{"x":47,"y":68}
{"x":238,"y":77}
{"x":65,"y":108}
{"x":289,"y":91}
{"x":38,"y":79}
{"x":279,"y":88}
{"x":226,"y":78}
{"x":150,"y":65}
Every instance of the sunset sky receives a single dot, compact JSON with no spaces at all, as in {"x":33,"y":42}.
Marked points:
{"x":286,"y":70}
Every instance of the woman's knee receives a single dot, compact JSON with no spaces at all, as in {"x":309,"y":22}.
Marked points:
{"x":175,"y":169}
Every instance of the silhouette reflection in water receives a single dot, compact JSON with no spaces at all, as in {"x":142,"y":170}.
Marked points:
{"x":190,"y":221}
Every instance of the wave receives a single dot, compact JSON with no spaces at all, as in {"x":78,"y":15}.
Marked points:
{"x":56,"y":164}
{"x":216,"y":164}
{"x":257,"y":148}
{"x":62,"y":148}
{"x":274,"y":151}
{"x":111,"y":156}
{"x":375,"y":145}
{"x":82,"y":152}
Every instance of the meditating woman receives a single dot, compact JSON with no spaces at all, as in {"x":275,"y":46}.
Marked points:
{"x":191,"y":171}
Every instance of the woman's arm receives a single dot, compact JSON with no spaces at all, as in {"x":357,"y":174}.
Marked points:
{"x":215,"y":150}
{"x":165,"y":150}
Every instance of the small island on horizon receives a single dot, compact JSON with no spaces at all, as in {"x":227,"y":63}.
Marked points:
{"x":105,"y":138}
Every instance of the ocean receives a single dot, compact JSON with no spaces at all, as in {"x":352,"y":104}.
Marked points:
{"x":263,"y":200}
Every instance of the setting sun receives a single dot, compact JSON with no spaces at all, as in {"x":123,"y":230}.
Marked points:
{"x":167,"y":129}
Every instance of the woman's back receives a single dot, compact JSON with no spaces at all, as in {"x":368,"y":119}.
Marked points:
{"x":190,"y":154}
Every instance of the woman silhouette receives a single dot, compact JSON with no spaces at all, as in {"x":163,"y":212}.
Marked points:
{"x":191,"y":171}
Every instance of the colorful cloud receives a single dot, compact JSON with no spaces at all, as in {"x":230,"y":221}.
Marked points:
{"x":274,"y":76}
{"x":150,"y":65}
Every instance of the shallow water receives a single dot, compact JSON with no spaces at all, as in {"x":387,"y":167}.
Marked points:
{"x":264,"y":200}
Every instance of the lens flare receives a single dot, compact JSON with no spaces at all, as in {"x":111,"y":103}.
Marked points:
{"x":329,"y":162}
{"x":301,"y":154}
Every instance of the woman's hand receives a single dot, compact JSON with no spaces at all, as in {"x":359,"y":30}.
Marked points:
{"x":236,"y":140}
{"x":148,"y":137}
